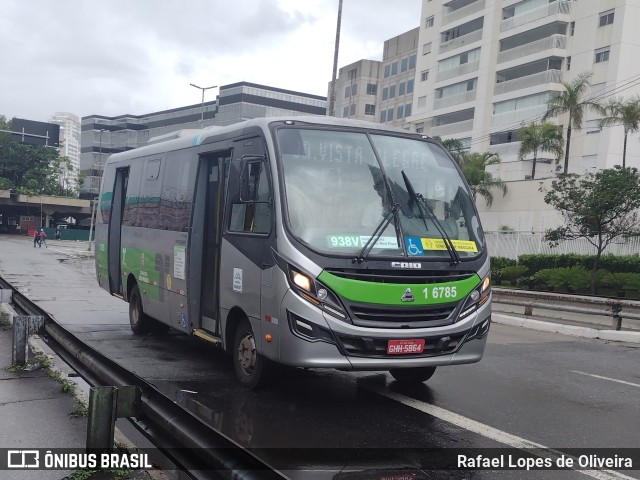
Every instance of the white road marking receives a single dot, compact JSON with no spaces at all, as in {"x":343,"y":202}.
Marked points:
{"x":487,"y":431}
{"x":606,"y":378}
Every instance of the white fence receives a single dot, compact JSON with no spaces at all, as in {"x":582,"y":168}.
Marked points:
{"x":512,"y":245}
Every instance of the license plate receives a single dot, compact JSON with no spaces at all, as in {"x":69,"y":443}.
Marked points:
{"x":399,"y":347}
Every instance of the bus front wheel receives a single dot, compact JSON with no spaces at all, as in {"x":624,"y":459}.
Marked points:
{"x":251,"y":368}
{"x":412,"y":376}
{"x":140,"y":322}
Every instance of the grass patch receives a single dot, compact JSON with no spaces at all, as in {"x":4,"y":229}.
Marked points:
{"x":79,"y":410}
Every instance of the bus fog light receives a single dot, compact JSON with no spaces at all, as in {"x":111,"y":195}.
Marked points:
{"x":475,"y":295}
{"x":322,"y":294}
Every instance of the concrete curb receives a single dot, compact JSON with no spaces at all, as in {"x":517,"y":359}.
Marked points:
{"x":575,"y":331}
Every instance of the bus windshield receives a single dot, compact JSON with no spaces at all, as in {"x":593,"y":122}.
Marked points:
{"x":339,"y":186}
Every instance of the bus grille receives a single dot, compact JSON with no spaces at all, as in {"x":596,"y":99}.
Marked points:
{"x":377,"y":347}
{"x":378,"y":316}
{"x":401,"y":276}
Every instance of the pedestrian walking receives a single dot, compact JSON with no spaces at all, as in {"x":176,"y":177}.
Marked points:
{"x":43,"y":238}
{"x":36,"y":238}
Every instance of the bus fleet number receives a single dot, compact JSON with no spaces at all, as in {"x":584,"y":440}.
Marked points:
{"x":440,"y":292}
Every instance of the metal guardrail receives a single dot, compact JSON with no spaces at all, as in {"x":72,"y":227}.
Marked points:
{"x":617,"y":309}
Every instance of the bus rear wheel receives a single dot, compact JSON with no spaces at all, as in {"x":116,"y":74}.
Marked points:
{"x":251,"y":368}
{"x":140,"y":322}
{"x":412,"y":376}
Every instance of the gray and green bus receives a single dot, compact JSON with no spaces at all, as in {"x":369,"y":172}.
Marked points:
{"x":310,"y":241}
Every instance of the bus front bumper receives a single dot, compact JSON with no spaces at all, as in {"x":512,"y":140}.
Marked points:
{"x":313,"y":339}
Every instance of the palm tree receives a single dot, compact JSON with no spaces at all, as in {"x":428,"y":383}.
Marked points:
{"x":480,"y":182}
{"x":454,"y":146}
{"x":620,"y":112}
{"x":534,"y":138}
{"x":571,"y":101}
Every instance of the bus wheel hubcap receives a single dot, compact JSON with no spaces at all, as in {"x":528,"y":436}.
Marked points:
{"x":247,"y":354}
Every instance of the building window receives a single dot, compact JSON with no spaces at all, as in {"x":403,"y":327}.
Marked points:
{"x":407,"y":110}
{"x":419,"y":127}
{"x":428,"y":23}
{"x":412,"y":61}
{"x":372,"y":88}
{"x":345,"y":112}
{"x":354,"y":90}
{"x":383,"y":116}
{"x":394,"y":68}
{"x":385,"y":93}
{"x":606,"y":18}
{"x":387,"y":70}
{"x":389,"y":114}
{"x":602,"y":55}
{"x":352,"y":110}
{"x":424,"y":75}
{"x":401,"y":89}
{"x":410,"y":86}
{"x":400,"y":112}
{"x":568,"y":63}
{"x":403,"y":65}
{"x":392,"y":91}
{"x":572,"y":28}
{"x":369,"y":109}
{"x":426,"y":48}
{"x":347,"y":92}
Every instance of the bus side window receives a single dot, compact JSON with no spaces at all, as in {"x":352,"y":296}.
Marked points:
{"x":252,"y":211}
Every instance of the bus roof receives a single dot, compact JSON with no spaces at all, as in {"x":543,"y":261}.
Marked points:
{"x":191,"y":137}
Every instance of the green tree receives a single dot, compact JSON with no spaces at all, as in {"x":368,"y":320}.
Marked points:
{"x":544,"y":137}
{"x":620,"y":112}
{"x":572,"y":101}
{"x":30,"y":169}
{"x":597,"y":207}
{"x":454,"y":146}
{"x":480,"y":182}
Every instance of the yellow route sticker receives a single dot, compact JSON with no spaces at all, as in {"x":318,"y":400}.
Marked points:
{"x":438,"y":244}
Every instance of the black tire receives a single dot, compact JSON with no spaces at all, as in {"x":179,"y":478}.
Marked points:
{"x":251,"y":368}
{"x":140,"y":323}
{"x":412,"y":376}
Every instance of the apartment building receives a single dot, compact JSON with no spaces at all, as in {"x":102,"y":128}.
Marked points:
{"x":485,"y":68}
{"x":69,"y":147}
{"x":380,"y":91}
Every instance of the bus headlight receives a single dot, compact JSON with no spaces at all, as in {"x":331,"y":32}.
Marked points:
{"x":316,"y":293}
{"x":476,"y":298}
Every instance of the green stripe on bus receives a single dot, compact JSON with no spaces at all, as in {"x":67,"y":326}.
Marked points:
{"x":393,"y":293}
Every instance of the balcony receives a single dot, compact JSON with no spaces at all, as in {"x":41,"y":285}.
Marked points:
{"x":457,"y":71}
{"x":540,"y":78}
{"x":451,"y":128}
{"x":454,"y":15}
{"x":505,"y":149}
{"x":554,"y":41}
{"x":454,"y":99}
{"x":461,"y":41}
{"x":513,"y":117}
{"x":561,"y":6}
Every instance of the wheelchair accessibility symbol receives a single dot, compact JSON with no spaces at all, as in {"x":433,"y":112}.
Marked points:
{"x":413,"y":246}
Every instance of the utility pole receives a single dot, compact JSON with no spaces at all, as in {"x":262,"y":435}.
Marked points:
{"x":332,"y":93}
{"x":202,"y":108}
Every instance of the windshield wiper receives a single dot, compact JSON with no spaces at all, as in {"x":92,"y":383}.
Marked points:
{"x":424,"y":207}
{"x":367,"y":247}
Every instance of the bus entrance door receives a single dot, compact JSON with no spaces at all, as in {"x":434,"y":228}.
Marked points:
{"x":205,"y":242}
{"x":115,"y":230}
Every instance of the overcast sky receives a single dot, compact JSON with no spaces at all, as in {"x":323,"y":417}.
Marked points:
{"x":139,"y":56}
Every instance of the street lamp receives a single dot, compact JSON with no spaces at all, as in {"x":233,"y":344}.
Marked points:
{"x":202,"y":108}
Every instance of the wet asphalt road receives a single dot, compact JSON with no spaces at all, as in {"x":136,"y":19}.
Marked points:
{"x":531,"y":386}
